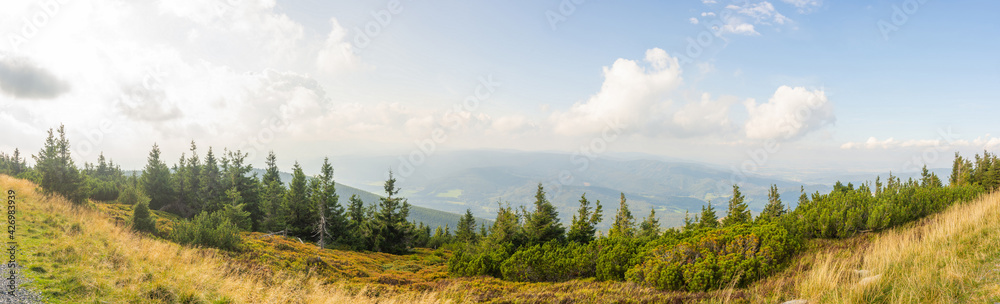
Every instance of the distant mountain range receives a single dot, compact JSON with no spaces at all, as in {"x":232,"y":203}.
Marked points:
{"x":478,"y":180}
{"x":445,"y":184}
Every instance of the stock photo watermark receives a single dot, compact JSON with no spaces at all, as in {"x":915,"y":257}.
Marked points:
{"x":901,"y":14}
{"x":36,"y":19}
{"x":427,"y":146}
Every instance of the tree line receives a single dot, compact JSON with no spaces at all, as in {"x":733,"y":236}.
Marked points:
{"x":220,"y":197}
{"x":707,"y":252}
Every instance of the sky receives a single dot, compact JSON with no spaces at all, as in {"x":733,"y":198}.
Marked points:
{"x":752,"y":85}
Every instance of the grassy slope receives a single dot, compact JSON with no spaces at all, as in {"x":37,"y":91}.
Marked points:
{"x":77,"y":254}
{"x":951,"y":257}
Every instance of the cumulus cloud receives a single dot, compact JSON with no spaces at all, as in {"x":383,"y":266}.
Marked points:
{"x":23,"y":79}
{"x":744,"y":18}
{"x":337,"y":54}
{"x":629,"y":92}
{"x":790,"y":113}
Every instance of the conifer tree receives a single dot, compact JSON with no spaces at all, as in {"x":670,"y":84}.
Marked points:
{"x":275,"y":212}
{"x":465,"y":231}
{"x":357,"y":225}
{"x":624,"y":225}
{"x":393,"y":234}
{"x":301,"y":212}
{"x":156,"y":180}
{"x":774,"y":207}
{"x":739,"y":212}
{"x":542,"y":225}
{"x":211,"y":193}
{"x":708,"y":217}
{"x":650,"y":226}
{"x":585,"y":222}
{"x":331,"y":221}
{"x":141,"y":219}
{"x":58,"y":173}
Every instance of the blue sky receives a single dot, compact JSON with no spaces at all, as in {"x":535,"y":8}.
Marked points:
{"x":304,"y":79}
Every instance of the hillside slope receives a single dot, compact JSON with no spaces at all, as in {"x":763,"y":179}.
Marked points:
{"x":950,"y":257}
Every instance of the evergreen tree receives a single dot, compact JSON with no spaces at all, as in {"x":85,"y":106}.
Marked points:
{"x":141,"y":219}
{"x":236,"y":174}
{"x":357,"y":225}
{"x":624,"y":225}
{"x":393,"y":233}
{"x":650,"y":226}
{"x":774,"y":207}
{"x":156,"y":180}
{"x":271,"y":197}
{"x":585,"y":222}
{"x":506,"y":228}
{"x":331,"y":223}
{"x":465,"y":231}
{"x":301,"y":212}
{"x":58,"y":173}
{"x":233,"y":209}
{"x":739,"y":212}
{"x":708,"y":217}
{"x":211,"y":193}
{"x":542,"y":225}
{"x":192,"y":176}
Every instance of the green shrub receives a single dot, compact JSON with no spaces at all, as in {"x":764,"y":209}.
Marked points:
{"x":715,"y":258}
{"x":208,"y":229}
{"x":550,"y":262}
{"x":141,"y":218}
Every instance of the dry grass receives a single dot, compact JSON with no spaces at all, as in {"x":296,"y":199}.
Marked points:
{"x":951,"y":257}
{"x":77,"y":254}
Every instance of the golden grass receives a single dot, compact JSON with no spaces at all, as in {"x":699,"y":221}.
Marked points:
{"x":77,"y":254}
{"x":952,"y":257}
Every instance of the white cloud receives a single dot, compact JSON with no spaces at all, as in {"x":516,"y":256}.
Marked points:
{"x":693,"y":20}
{"x":628,"y":94}
{"x":790,"y":113}
{"x":337,"y":54}
{"x":805,"y":6}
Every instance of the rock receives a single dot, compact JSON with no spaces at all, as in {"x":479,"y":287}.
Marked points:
{"x":796,"y":301}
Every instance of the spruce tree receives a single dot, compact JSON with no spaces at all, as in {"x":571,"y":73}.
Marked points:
{"x":141,"y":219}
{"x":774,"y":207}
{"x":156,"y":180}
{"x":300,"y":211}
{"x":650,"y":226}
{"x":393,"y":233}
{"x":331,"y":221}
{"x":275,"y":212}
{"x":211,"y":193}
{"x":738,"y":212}
{"x":624,"y":225}
{"x":58,"y":173}
{"x":585,"y":222}
{"x":357,"y":225}
{"x":466,"y":229}
{"x":542,"y":225}
{"x":708,"y":217}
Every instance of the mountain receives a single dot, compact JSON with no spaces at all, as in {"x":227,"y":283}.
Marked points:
{"x":478,"y":180}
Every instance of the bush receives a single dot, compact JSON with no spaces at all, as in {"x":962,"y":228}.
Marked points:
{"x":615,"y":256}
{"x":715,"y":258}
{"x":208,"y":229}
{"x":102,"y":190}
{"x":473,"y":260}
{"x":550,"y":262}
{"x":141,"y":219}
